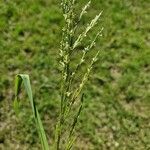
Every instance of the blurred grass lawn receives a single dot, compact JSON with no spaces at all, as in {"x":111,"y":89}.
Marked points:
{"x":117,"y":109}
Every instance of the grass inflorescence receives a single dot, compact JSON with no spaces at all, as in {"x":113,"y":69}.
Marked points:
{"x":70,"y":105}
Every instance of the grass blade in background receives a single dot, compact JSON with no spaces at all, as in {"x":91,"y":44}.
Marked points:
{"x":23,"y":78}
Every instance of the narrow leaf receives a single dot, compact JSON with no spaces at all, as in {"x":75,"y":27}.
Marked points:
{"x":24,"y":78}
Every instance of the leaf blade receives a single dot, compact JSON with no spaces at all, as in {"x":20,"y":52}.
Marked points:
{"x":24,"y":78}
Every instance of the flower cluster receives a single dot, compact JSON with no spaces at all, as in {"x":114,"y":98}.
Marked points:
{"x":69,"y":44}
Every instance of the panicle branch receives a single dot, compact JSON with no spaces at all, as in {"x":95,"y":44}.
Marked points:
{"x":88,"y":28}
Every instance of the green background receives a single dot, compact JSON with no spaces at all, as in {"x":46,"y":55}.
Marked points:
{"x":117,"y":106}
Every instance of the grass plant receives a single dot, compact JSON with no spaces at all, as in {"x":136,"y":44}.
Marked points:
{"x":72,"y":98}
{"x":116,"y":98}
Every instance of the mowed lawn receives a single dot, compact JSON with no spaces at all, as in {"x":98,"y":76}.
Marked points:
{"x":116,"y":113}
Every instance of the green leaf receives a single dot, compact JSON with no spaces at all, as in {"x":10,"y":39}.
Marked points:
{"x":16,"y":106}
{"x":24,"y":78}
